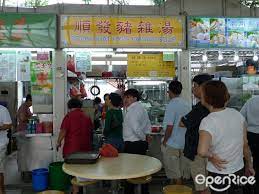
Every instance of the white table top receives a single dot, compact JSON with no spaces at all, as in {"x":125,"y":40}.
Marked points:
{"x":24,"y":134}
{"x":38,"y":135}
{"x":124,"y":166}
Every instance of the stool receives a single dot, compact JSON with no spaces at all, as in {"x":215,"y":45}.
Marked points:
{"x":82,"y":183}
{"x":177,"y":189}
{"x":51,"y":192}
{"x":139,"y":181}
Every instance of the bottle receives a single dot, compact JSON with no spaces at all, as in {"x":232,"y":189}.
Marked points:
{"x":33,"y":126}
{"x":28,"y":128}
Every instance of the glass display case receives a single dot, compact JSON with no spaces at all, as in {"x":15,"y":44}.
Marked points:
{"x":241,"y":89}
{"x":153,"y":96}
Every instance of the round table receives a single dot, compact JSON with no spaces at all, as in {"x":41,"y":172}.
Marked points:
{"x":125,"y":166}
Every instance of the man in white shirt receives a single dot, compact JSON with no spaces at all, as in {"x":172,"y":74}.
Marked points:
{"x":5,"y":124}
{"x":136,"y":126}
{"x":250,"y":111}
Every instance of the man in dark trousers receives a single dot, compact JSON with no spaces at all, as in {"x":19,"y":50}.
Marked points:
{"x":192,"y":122}
{"x":136,"y":126}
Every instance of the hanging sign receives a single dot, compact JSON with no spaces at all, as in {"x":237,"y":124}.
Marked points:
{"x":27,"y":30}
{"x":168,"y":56}
{"x":112,"y":31}
{"x":83,"y":62}
{"x":215,"y":32}
{"x":41,"y":78}
{"x":150,"y":65}
{"x":23,"y":65}
{"x":43,"y":56}
{"x":8,"y":66}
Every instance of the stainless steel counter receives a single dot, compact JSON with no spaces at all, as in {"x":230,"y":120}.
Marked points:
{"x":155,"y":146}
{"x":34,"y":150}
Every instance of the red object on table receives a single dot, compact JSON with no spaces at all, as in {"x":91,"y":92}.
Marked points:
{"x":108,"y":150}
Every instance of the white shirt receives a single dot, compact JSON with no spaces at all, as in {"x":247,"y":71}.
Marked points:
{"x":251,"y":111}
{"x":136,"y":123}
{"x":226,"y":128}
{"x":4,"y":119}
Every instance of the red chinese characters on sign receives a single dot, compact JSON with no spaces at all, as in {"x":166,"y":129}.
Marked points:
{"x":167,"y":28}
{"x":83,"y":26}
{"x":43,"y":66}
{"x":104,"y":27}
{"x":123,"y":27}
{"x":145,"y":27}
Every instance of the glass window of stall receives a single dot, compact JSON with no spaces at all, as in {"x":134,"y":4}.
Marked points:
{"x":227,"y":49}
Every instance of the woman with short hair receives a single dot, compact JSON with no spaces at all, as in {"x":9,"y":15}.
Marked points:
{"x":223,"y":138}
{"x":75,"y":130}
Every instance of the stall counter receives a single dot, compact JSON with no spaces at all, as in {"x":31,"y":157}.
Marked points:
{"x":34,"y":150}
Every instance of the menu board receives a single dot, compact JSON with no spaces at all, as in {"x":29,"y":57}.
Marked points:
{"x":23,"y":66}
{"x":150,"y":65}
{"x":205,"y":32}
{"x":8,"y":66}
{"x":83,"y":62}
{"x":41,"y":78}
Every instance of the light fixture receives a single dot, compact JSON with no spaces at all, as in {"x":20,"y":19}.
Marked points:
{"x":146,"y":50}
{"x":220,"y":57}
{"x":204,"y":57}
{"x":255,"y":58}
{"x":89,"y":49}
{"x":27,"y":49}
{"x":236,"y":57}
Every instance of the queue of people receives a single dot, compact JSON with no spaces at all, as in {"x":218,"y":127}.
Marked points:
{"x":207,"y":140}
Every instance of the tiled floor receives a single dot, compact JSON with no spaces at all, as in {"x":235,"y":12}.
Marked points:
{"x":15,"y":185}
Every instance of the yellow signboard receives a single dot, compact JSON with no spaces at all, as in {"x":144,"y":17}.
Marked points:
{"x":149,"y":65}
{"x":111,"y":31}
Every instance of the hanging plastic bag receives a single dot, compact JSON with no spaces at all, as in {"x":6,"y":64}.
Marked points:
{"x":71,"y":66}
{"x":82,"y":90}
{"x":74,"y":92}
